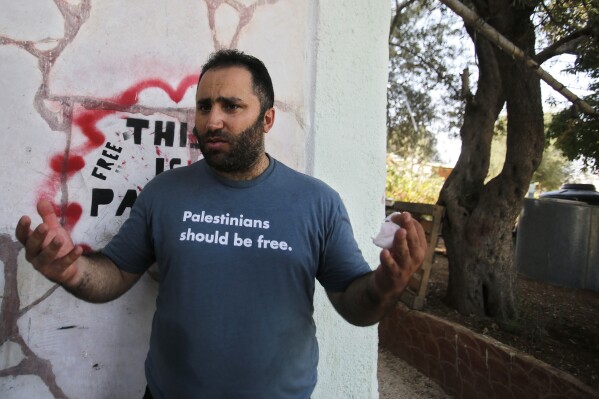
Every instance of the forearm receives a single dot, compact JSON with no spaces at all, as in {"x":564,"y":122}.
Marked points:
{"x":98,"y":279}
{"x":369,"y":298}
{"x":361,"y":304}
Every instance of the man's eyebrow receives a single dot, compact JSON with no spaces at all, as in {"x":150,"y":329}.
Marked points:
{"x":221,"y":99}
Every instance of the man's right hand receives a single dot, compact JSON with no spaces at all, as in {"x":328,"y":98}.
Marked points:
{"x":49,"y":247}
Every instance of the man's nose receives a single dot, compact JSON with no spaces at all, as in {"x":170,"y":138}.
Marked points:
{"x":215,"y":119}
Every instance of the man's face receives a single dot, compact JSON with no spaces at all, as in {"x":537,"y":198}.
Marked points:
{"x":229,"y":126}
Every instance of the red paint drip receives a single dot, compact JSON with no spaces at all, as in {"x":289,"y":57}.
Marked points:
{"x":87,"y":121}
{"x":73,"y":164}
{"x":72,"y":215}
{"x":56,"y":209}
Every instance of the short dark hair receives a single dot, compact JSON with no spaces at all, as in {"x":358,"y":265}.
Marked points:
{"x":261,"y":82}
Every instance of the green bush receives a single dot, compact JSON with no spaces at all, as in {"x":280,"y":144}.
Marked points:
{"x":412,"y":182}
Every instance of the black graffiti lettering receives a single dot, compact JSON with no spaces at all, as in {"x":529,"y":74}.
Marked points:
{"x":174,"y":161}
{"x":183,"y":135}
{"x":127,"y":202}
{"x":105,"y":196}
{"x":163,"y":135}
{"x":104,"y":164}
{"x":100,"y":196}
{"x":160,"y":164}
{"x":167,"y":135}
{"x":98,"y":174}
{"x":110,"y":155}
{"x":111,"y":152}
{"x":138,"y":125}
{"x":113,"y":148}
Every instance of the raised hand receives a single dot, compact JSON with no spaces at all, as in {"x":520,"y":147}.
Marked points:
{"x":368,"y":298}
{"x":49,"y":248}
{"x":403,"y":259}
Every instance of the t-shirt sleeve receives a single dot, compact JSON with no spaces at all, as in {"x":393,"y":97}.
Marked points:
{"x":341,"y":260}
{"x":131,"y":249}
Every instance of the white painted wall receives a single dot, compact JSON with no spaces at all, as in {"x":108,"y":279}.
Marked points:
{"x":111,"y":60}
{"x":349,"y":153}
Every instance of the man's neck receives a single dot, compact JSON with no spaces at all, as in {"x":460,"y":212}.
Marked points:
{"x":254,"y":171}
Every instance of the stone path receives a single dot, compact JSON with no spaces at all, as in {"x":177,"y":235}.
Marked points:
{"x":397,"y":380}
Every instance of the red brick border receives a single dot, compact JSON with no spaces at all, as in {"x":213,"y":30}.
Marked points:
{"x":472,"y":366}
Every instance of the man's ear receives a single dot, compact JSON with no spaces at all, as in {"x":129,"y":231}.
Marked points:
{"x":269,"y":119}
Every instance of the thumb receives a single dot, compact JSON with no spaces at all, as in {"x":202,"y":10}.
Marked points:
{"x":46,"y":211}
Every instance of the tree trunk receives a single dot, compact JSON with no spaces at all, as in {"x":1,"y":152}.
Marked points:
{"x":480,"y":217}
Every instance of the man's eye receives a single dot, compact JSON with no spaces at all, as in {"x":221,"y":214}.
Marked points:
{"x":203,"y":108}
{"x":231,"y":107}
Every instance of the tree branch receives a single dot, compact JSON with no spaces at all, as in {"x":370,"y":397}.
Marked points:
{"x":564,"y":45}
{"x":476,"y":22}
{"x":398,"y":10}
{"x":426,"y":62}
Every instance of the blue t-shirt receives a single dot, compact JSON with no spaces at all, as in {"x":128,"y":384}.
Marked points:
{"x":238,"y":262}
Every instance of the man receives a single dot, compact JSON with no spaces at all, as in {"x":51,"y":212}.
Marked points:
{"x":239,"y":239}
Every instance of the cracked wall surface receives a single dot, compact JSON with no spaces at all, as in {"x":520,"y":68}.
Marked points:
{"x":98,"y":98}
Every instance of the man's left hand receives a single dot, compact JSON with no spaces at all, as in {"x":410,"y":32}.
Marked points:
{"x":399,"y":262}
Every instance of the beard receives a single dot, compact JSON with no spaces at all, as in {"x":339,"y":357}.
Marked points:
{"x":245,"y":148}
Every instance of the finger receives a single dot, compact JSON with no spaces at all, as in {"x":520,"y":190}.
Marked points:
{"x":399,"y":217}
{"x":35,"y":242}
{"x":390,"y":277}
{"x":421,"y":244}
{"x":72,"y":256}
{"x":412,"y":236}
{"x":387,"y":260}
{"x":60,"y":269}
{"x":399,"y":249}
{"x":48,"y":254}
{"x":46,"y":211}
{"x":23,"y":229}
{"x":66,"y":262}
{"x":383,"y":273}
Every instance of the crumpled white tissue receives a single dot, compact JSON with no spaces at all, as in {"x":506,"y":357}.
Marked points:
{"x":384,"y":238}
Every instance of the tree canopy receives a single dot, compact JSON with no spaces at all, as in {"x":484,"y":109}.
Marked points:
{"x":577,"y":134}
{"x":424,"y":85}
{"x":572,"y":27}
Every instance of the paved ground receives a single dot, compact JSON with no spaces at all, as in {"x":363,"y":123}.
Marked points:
{"x":399,"y":380}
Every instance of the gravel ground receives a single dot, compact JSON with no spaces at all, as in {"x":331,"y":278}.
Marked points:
{"x":399,"y":380}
